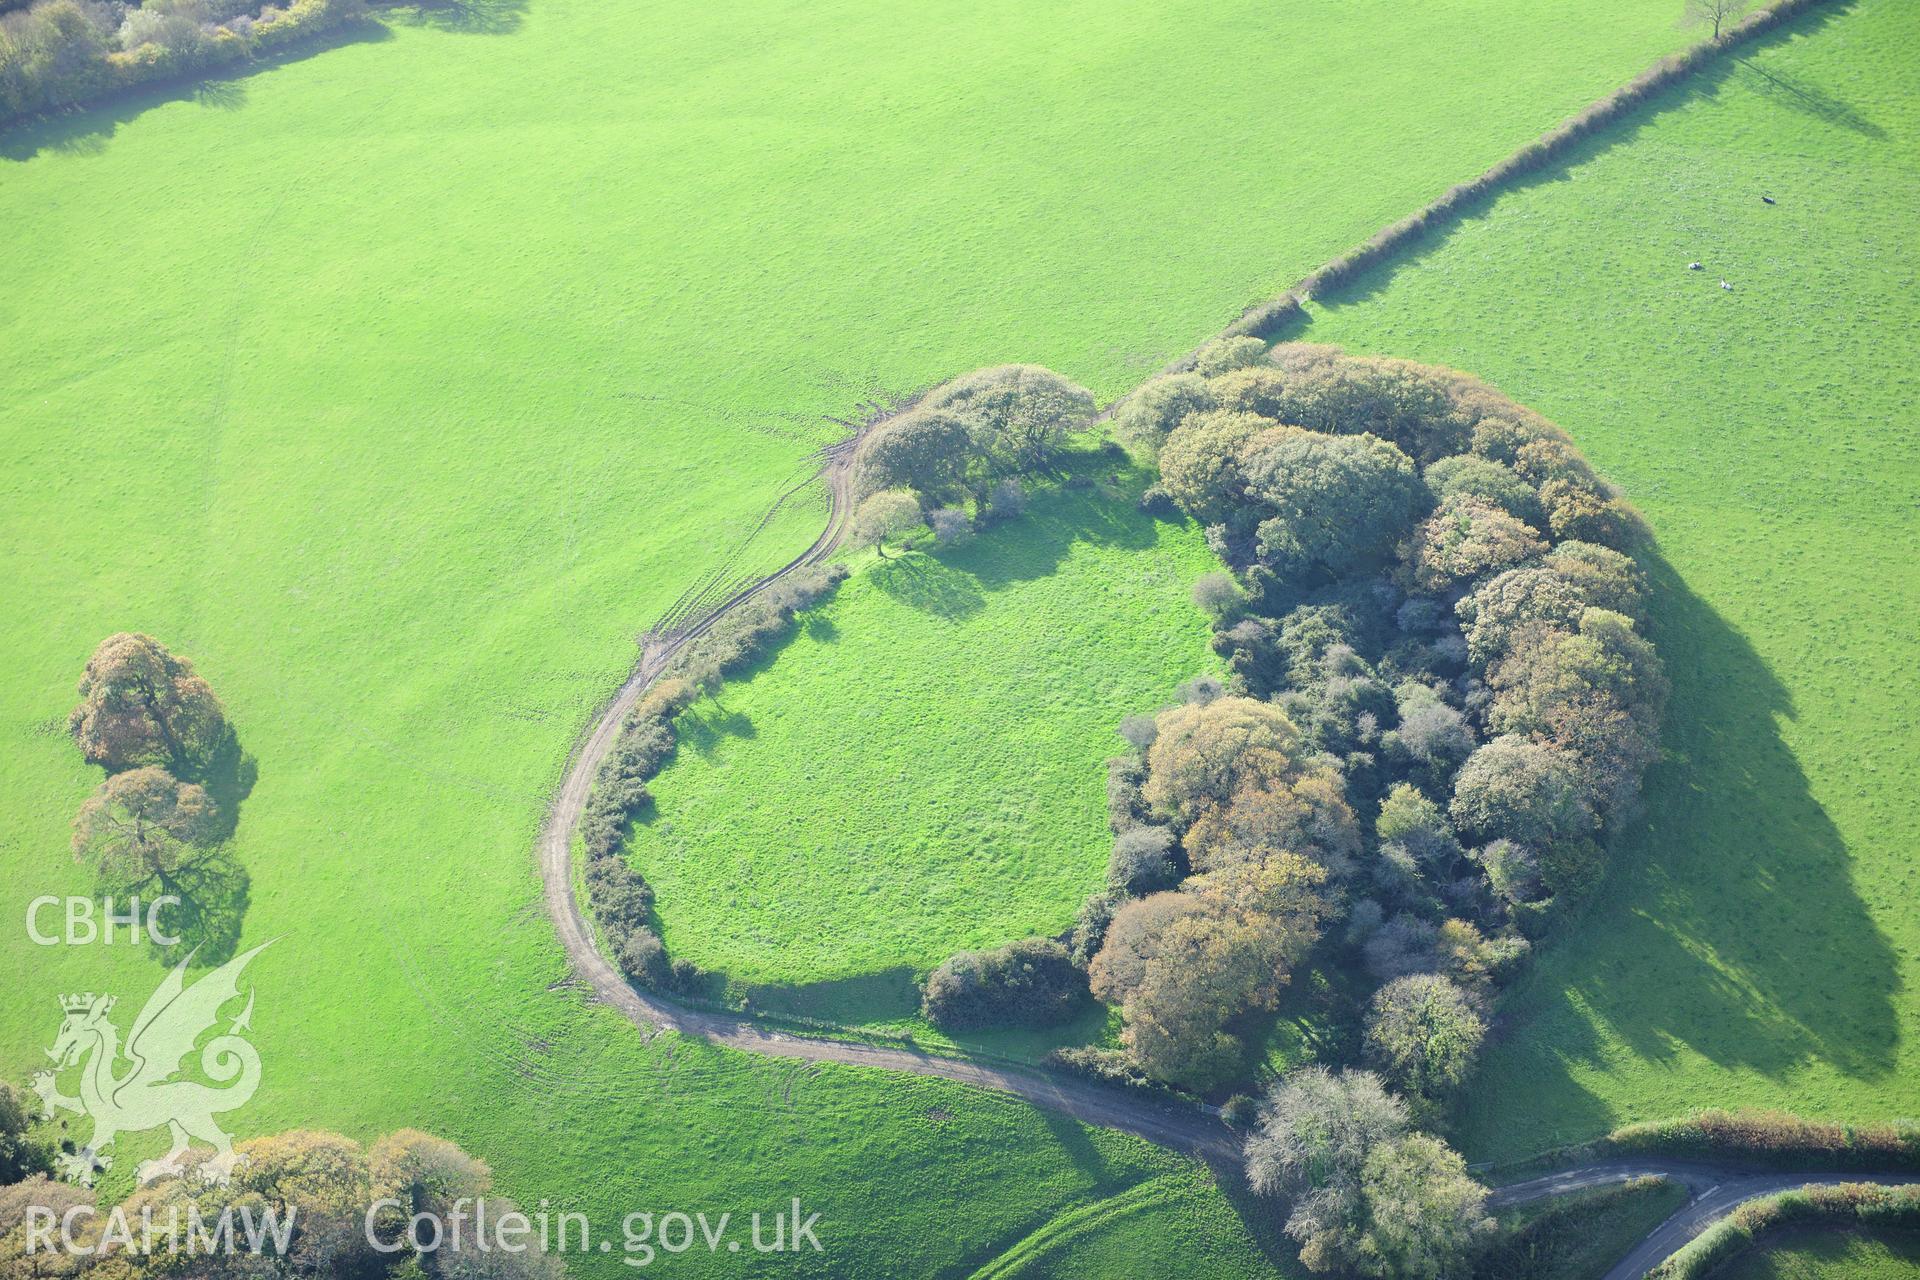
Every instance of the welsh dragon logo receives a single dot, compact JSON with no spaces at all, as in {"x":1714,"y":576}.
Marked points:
{"x":135,"y":1087}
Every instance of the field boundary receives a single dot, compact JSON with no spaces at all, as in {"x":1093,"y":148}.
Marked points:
{"x":1265,"y":319}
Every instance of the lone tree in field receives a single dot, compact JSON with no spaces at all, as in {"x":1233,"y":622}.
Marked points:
{"x":142,"y":828}
{"x":885,"y":515}
{"x":1713,"y":13}
{"x":141,"y":705}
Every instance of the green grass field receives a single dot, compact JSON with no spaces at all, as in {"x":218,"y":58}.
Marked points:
{"x":1757,"y":943}
{"x":400,"y":385}
{"x":1830,"y":1255}
{"x":921,"y":769}
{"x":1579,"y":1236}
{"x":1174,"y":1226}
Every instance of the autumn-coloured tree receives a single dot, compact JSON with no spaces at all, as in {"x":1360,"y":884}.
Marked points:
{"x":141,"y":705}
{"x":1205,"y":751}
{"x":143,"y":827}
{"x":1466,"y":540}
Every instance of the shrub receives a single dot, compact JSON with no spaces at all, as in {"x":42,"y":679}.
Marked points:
{"x":1031,"y":983}
{"x":1217,"y":594}
{"x":643,"y":959}
{"x":950,"y":525}
{"x":620,"y":896}
{"x":1240,"y":1112}
{"x":1126,"y":807}
{"x":1224,"y":355}
{"x":1139,"y":731}
{"x":742,"y":635}
{"x":1142,"y":861}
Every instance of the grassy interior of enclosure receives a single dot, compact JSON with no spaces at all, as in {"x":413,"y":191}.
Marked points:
{"x":400,"y":385}
{"x":921,"y":769}
{"x":1829,"y":1255}
{"x":1756,"y":943}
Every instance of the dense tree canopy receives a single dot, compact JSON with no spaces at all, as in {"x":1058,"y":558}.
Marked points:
{"x":142,"y":828}
{"x":1328,"y":504}
{"x":925,"y":450}
{"x":141,"y":705}
{"x":1016,"y":415}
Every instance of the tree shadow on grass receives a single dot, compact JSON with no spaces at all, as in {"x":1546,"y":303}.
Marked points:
{"x":928,"y":583}
{"x":1264,"y":1217}
{"x":707,"y":723}
{"x":866,"y":997}
{"x":954,"y":582}
{"x":86,"y":130}
{"x":1796,"y":93}
{"x":206,"y":923}
{"x":229,"y":779}
{"x":1792,"y":93}
{"x":1728,"y":926}
{"x":469,"y":17}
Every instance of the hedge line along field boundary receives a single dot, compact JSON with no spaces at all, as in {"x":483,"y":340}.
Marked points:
{"x":1263,"y":320}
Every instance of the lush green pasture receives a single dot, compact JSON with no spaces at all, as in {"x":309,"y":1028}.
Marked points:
{"x":1758,"y":943}
{"x":920,"y":770}
{"x":1830,"y":1255}
{"x":400,"y":385}
{"x":1174,"y":1226}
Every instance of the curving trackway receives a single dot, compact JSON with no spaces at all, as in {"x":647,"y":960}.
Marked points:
{"x":1714,"y":1189}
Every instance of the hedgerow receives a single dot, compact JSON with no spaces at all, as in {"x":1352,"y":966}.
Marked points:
{"x":58,"y":53}
{"x":1849,"y":1204}
{"x":619,"y":896}
{"x":1775,"y":1138}
{"x":1266,"y":319}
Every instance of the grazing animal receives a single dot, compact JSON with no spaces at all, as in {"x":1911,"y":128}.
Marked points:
{"x":1768,"y":200}
{"x":1693,"y":266}
{"x":1726,"y":286}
